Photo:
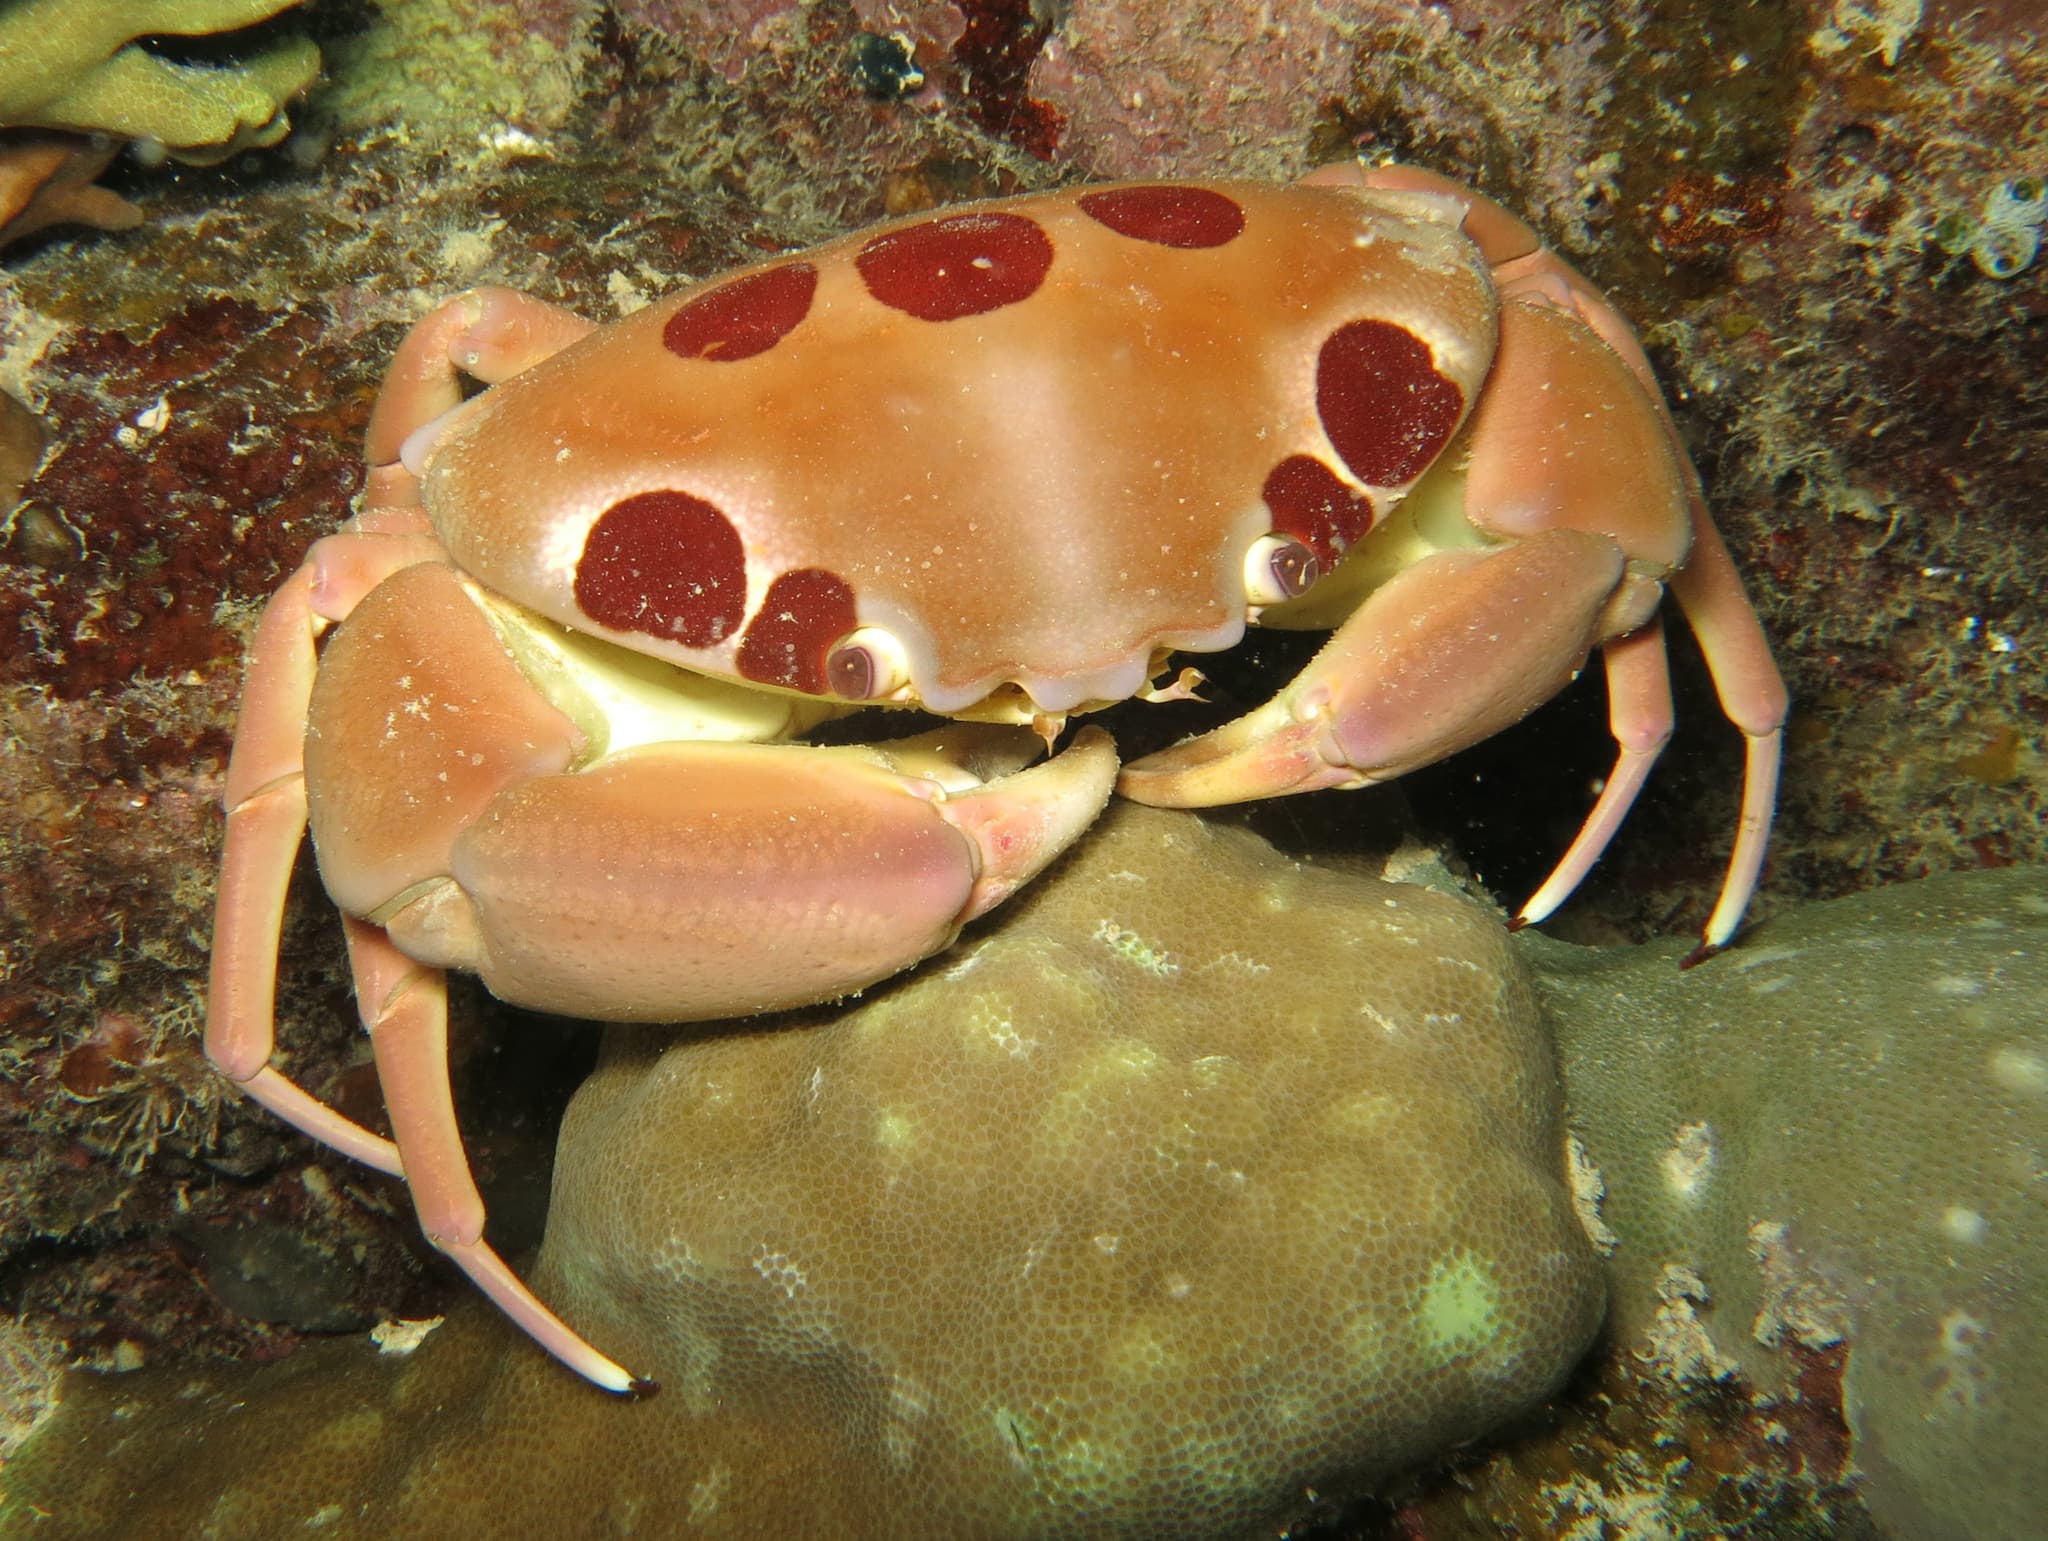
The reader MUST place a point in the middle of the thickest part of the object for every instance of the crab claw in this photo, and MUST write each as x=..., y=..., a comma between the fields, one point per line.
x=680, y=882
x=1448, y=652
x=1020, y=823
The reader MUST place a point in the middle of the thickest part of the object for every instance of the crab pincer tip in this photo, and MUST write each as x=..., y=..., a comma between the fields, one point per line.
x=638, y=1390
x=1517, y=924
x=1699, y=955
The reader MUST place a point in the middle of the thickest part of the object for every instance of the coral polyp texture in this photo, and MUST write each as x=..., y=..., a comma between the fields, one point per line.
x=1139, y=1214
x=1833, y=1145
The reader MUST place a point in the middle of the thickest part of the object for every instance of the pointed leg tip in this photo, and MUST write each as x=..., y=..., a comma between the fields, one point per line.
x=1518, y=923
x=1699, y=954
x=611, y=1377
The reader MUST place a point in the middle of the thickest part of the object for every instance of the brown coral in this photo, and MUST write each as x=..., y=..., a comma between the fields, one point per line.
x=78, y=67
x=1831, y=1141
x=1206, y=1179
x=79, y=64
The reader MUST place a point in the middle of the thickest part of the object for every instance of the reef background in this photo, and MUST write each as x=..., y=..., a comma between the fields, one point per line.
x=1788, y=200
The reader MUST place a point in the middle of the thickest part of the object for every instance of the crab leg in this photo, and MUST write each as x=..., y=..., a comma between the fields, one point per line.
x=1753, y=697
x=488, y=333
x=266, y=806
x=405, y=1008
x=685, y=882
x=1571, y=442
x=1707, y=588
x=640, y=958
x=1640, y=714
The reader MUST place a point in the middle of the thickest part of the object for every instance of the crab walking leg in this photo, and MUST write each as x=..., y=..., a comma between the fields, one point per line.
x=266, y=807
x=1707, y=587
x=1753, y=697
x=1640, y=713
x=405, y=1008
x=489, y=334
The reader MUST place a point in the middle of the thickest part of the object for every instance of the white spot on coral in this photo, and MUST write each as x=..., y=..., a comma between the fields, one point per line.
x=1588, y=1189
x=1962, y=1225
x=995, y=1024
x=464, y=252
x=1460, y=1311
x=2019, y=1070
x=1229, y=1177
x=708, y=1492
x=910, y=1403
x=1678, y=1341
x=967, y=964
x=1749, y=962
x=1689, y=1163
x=780, y=1270
x=625, y=295
x=1238, y=961
x=1876, y=27
x=1135, y=950
x=1957, y=1375
x=1794, y=1303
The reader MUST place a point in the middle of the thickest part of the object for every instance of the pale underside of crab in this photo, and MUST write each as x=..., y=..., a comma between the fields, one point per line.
x=997, y=464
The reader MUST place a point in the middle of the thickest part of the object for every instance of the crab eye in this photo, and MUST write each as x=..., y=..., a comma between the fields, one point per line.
x=1279, y=568
x=866, y=665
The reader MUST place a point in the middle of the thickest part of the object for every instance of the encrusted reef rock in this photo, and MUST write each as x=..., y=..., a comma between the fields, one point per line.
x=1203, y=1183
x=1835, y=1138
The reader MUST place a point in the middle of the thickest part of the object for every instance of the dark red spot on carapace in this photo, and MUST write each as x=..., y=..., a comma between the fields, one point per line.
x=1308, y=502
x=962, y=265
x=788, y=641
x=667, y=564
x=1383, y=403
x=747, y=316
x=1187, y=217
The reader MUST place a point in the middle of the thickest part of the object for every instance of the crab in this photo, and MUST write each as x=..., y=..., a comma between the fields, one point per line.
x=998, y=464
